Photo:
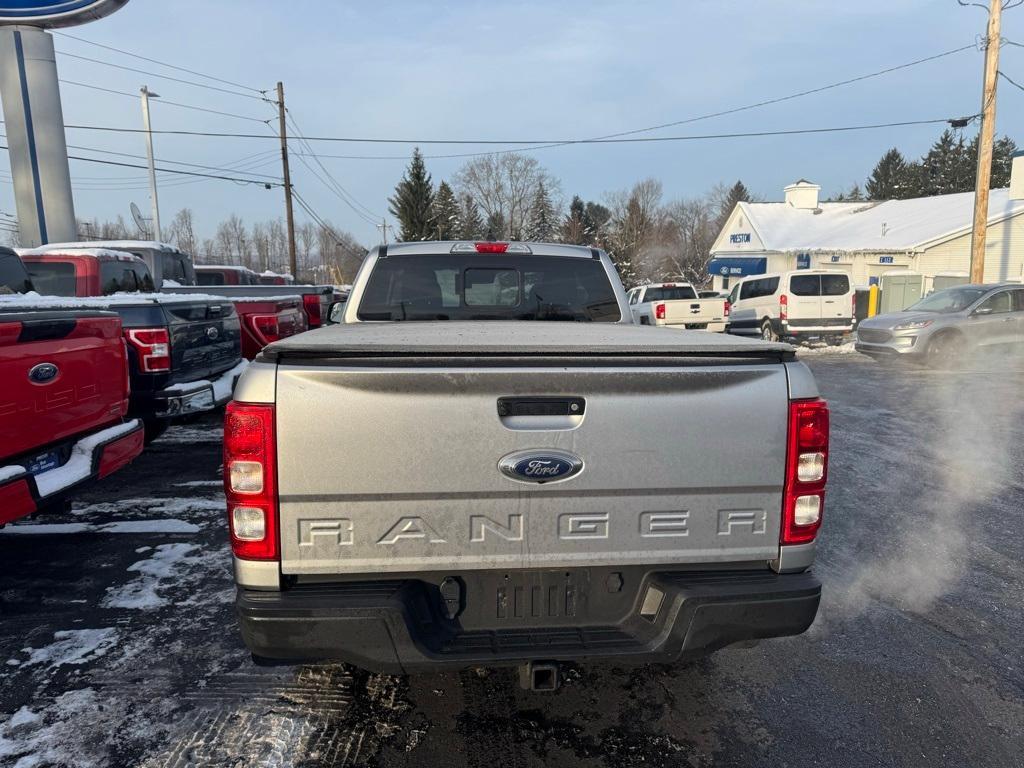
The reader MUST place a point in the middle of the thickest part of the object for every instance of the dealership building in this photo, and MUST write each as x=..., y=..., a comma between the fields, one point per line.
x=926, y=236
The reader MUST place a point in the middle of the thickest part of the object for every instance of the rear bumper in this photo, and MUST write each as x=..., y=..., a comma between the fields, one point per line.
x=188, y=398
x=92, y=457
x=713, y=326
x=396, y=626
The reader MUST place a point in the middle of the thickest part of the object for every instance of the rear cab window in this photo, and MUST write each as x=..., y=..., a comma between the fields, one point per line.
x=53, y=278
x=13, y=275
x=209, y=278
x=675, y=293
x=471, y=287
x=119, y=276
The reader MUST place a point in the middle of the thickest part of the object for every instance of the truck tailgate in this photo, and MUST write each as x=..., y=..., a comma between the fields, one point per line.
x=684, y=311
x=389, y=462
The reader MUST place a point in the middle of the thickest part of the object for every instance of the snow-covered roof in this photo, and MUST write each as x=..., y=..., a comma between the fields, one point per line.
x=233, y=267
x=98, y=253
x=893, y=225
x=126, y=244
x=33, y=300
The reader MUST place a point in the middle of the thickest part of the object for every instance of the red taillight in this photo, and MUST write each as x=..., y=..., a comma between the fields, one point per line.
x=728, y=308
x=311, y=303
x=659, y=311
x=266, y=328
x=806, y=471
x=153, y=346
x=783, y=307
x=491, y=247
x=250, y=480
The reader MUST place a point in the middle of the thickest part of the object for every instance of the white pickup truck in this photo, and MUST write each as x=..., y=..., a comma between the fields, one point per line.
x=512, y=488
x=677, y=305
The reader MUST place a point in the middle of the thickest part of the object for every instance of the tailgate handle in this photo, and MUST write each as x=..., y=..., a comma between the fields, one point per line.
x=541, y=406
x=215, y=309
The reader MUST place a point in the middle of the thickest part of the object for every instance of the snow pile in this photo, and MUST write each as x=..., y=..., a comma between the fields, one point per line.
x=11, y=470
x=72, y=646
x=159, y=571
x=824, y=349
x=51, y=736
x=79, y=465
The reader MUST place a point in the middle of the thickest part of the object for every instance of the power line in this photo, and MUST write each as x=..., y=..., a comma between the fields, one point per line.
x=161, y=63
x=167, y=170
x=162, y=101
x=560, y=142
x=1012, y=82
x=163, y=77
x=333, y=184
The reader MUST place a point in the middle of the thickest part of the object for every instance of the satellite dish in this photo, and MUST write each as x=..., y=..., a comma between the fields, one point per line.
x=140, y=220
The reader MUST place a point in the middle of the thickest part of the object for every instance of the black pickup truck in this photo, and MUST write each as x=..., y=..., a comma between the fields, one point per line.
x=184, y=352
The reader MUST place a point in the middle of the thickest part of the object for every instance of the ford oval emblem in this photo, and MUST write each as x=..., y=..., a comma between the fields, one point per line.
x=212, y=333
x=43, y=373
x=540, y=466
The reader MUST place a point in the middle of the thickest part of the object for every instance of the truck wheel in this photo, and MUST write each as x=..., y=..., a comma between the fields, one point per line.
x=154, y=428
x=945, y=350
x=767, y=332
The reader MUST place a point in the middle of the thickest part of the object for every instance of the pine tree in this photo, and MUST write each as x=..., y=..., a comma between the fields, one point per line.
x=596, y=218
x=941, y=167
x=472, y=223
x=495, y=226
x=574, y=227
x=1002, y=160
x=541, y=223
x=412, y=203
x=888, y=181
x=446, y=213
x=738, y=193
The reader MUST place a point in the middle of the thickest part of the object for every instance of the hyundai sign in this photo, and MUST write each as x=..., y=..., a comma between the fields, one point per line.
x=55, y=13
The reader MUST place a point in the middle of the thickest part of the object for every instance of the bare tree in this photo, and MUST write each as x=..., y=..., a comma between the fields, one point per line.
x=181, y=232
x=503, y=186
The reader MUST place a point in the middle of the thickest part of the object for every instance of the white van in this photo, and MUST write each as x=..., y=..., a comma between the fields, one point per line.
x=798, y=305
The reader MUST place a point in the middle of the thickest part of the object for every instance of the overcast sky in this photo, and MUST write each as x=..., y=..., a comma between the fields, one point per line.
x=521, y=70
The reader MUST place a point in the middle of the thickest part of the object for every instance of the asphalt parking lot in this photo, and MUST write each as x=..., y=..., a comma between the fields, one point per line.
x=118, y=645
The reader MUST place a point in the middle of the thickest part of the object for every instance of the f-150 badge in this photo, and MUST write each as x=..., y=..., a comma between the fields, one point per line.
x=540, y=466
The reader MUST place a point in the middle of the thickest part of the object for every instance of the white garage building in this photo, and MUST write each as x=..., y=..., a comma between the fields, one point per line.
x=930, y=236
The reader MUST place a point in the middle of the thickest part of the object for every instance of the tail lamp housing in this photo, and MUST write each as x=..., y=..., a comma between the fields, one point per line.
x=311, y=303
x=250, y=480
x=783, y=307
x=659, y=311
x=153, y=346
x=727, y=309
x=266, y=328
x=806, y=471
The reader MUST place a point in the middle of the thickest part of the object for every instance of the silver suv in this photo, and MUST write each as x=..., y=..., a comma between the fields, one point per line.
x=948, y=325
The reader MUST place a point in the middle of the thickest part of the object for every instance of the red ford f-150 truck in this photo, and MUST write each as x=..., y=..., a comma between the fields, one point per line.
x=64, y=394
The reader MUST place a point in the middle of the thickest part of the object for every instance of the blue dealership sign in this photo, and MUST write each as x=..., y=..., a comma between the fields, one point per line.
x=55, y=13
x=732, y=266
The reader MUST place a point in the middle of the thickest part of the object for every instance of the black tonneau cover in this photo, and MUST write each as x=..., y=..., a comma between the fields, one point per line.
x=516, y=339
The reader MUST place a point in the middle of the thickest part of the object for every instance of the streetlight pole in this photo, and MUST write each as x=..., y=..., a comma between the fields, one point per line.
x=146, y=95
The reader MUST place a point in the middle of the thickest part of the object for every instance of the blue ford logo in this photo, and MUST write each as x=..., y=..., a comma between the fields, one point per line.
x=43, y=373
x=540, y=466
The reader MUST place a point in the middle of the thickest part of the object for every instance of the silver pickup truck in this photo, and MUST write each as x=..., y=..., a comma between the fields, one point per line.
x=485, y=487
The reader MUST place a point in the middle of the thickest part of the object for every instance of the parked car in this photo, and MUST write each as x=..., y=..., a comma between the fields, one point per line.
x=225, y=274
x=184, y=351
x=949, y=325
x=802, y=305
x=63, y=401
x=677, y=305
x=516, y=523
x=103, y=271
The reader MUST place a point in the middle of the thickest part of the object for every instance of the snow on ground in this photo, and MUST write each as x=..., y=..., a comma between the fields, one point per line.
x=201, y=484
x=189, y=435
x=156, y=573
x=71, y=646
x=57, y=741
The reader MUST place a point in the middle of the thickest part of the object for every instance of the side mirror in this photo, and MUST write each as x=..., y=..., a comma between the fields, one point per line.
x=336, y=313
x=981, y=311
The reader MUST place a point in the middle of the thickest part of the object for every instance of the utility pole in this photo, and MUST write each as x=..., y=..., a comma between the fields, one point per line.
x=146, y=95
x=383, y=227
x=988, y=128
x=289, y=214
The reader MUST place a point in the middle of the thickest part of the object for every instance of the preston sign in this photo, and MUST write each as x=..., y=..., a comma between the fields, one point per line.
x=55, y=13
